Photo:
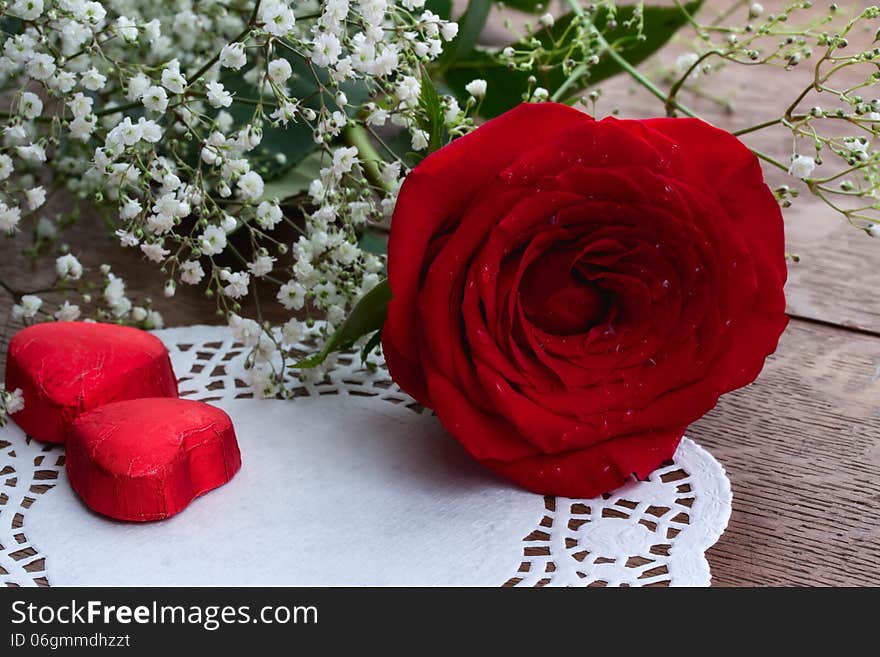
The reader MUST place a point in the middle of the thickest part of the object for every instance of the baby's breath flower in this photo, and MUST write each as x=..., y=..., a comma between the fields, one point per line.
x=35, y=197
x=13, y=401
x=93, y=80
x=292, y=295
x=419, y=141
x=685, y=61
x=268, y=215
x=236, y=283
x=28, y=307
x=233, y=56
x=155, y=99
x=262, y=265
x=279, y=70
x=68, y=267
x=137, y=86
x=27, y=10
x=30, y=106
x=126, y=238
x=41, y=67
x=82, y=127
x=212, y=240
x=218, y=96
x=449, y=31
x=277, y=17
x=262, y=380
x=172, y=79
x=191, y=272
x=250, y=185
x=246, y=331
x=153, y=320
x=343, y=160
x=67, y=312
x=476, y=88
x=547, y=20
x=154, y=251
x=292, y=331
x=802, y=166
x=6, y=166
x=285, y=112
x=326, y=49
x=9, y=217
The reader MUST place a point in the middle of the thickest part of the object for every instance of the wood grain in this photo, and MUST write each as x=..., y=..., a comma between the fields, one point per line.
x=802, y=449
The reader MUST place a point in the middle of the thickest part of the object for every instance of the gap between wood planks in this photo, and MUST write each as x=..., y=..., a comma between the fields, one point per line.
x=835, y=325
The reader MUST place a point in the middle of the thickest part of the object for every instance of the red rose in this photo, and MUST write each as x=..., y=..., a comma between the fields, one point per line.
x=570, y=294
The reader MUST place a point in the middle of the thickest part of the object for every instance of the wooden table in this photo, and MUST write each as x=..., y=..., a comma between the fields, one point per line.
x=801, y=445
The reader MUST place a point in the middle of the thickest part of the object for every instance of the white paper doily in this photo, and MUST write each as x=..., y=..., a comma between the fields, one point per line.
x=353, y=483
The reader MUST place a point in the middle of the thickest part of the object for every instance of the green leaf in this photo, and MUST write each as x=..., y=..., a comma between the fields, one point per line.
x=470, y=26
x=431, y=118
x=374, y=241
x=11, y=25
x=443, y=8
x=371, y=344
x=367, y=316
x=296, y=180
x=506, y=87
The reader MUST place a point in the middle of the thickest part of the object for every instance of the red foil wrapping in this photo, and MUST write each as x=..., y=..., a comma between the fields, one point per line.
x=66, y=368
x=147, y=459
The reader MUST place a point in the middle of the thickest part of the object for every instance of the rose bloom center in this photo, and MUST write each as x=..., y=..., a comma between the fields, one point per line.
x=557, y=297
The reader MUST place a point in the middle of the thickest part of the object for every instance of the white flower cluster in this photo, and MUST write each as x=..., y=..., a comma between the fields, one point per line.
x=158, y=110
x=10, y=402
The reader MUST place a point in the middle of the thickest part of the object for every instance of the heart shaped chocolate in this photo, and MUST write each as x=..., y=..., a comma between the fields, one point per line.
x=147, y=459
x=65, y=368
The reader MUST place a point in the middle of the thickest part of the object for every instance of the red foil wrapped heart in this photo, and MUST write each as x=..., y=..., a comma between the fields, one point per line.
x=66, y=368
x=147, y=459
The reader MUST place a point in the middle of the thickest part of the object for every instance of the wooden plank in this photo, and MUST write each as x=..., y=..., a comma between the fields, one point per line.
x=802, y=449
x=837, y=279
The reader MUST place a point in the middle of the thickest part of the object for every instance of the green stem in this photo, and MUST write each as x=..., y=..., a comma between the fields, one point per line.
x=769, y=160
x=629, y=68
x=356, y=136
x=642, y=80
x=575, y=75
x=673, y=92
x=755, y=128
x=655, y=91
x=254, y=102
